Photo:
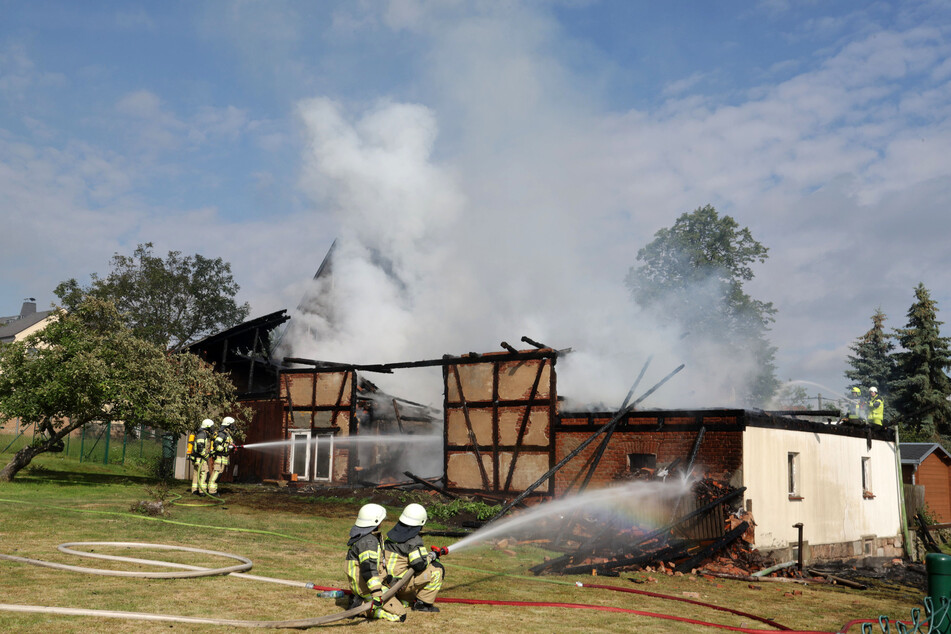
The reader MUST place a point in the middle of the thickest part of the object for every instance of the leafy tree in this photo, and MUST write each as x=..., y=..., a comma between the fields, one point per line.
x=872, y=363
x=694, y=272
x=793, y=397
x=921, y=387
x=172, y=302
x=87, y=366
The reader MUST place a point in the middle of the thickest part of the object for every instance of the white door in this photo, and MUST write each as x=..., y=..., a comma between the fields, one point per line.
x=300, y=454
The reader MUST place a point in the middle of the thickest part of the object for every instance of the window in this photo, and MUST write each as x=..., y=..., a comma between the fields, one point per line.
x=792, y=471
x=300, y=454
x=637, y=461
x=867, y=479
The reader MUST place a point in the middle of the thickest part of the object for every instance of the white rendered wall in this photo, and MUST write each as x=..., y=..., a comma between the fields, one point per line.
x=832, y=508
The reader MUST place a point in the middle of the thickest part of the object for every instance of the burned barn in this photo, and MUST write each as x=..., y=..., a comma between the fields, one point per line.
x=504, y=435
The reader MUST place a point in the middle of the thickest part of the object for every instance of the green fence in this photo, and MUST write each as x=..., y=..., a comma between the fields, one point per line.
x=104, y=443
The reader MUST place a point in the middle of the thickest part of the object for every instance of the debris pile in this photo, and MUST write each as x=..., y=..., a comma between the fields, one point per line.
x=710, y=535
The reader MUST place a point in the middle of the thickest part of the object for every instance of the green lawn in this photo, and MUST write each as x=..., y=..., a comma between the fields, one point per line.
x=304, y=538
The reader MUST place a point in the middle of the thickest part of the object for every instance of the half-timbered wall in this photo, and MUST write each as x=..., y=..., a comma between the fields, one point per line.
x=498, y=431
x=318, y=404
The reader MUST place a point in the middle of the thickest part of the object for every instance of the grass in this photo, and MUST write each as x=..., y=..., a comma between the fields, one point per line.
x=293, y=537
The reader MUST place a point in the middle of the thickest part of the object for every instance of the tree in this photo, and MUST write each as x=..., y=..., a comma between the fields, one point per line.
x=172, y=302
x=694, y=272
x=873, y=363
x=921, y=387
x=88, y=366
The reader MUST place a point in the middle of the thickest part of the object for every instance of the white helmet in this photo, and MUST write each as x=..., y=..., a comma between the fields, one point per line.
x=227, y=421
x=370, y=515
x=205, y=424
x=873, y=390
x=414, y=515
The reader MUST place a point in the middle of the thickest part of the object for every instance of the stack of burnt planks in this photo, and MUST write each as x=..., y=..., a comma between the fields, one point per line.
x=607, y=550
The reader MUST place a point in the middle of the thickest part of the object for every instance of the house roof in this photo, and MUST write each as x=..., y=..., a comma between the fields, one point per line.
x=9, y=331
x=914, y=453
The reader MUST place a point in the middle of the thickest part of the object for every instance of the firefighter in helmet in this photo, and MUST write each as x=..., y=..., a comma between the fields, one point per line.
x=856, y=414
x=200, y=451
x=365, y=566
x=406, y=554
x=221, y=449
x=876, y=407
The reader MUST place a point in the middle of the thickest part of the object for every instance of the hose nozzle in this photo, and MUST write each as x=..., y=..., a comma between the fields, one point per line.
x=440, y=550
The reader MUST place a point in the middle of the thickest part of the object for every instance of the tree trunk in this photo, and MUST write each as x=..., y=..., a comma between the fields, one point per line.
x=23, y=457
x=20, y=460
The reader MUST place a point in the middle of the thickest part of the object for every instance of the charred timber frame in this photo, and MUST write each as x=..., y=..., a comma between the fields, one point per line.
x=493, y=402
x=472, y=437
x=337, y=408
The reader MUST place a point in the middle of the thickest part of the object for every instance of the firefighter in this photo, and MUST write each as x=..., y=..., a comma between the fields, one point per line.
x=201, y=450
x=221, y=449
x=856, y=414
x=876, y=407
x=405, y=554
x=365, y=566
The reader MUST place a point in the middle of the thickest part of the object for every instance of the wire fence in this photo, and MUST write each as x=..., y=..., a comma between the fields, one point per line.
x=103, y=443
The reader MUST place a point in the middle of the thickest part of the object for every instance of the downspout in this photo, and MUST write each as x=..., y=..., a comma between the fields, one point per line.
x=909, y=547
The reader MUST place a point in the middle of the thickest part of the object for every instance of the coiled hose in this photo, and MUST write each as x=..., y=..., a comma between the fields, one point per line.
x=191, y=571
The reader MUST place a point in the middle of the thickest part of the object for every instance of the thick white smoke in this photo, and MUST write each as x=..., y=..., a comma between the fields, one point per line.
x=432, y=260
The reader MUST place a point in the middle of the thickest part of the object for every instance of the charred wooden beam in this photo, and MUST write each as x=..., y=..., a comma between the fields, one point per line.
x=430, y=485
x=523, y=425
x=561, y=463
x=596, y=458
x=545, y=353
x=588, y=548
x=472, y=437
x=675, y=550
x=399, y=419
x=715, y=547
x=534, y=343
x=509, y=347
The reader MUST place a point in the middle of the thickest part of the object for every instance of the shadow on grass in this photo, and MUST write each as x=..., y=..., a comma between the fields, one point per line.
x=82, y=479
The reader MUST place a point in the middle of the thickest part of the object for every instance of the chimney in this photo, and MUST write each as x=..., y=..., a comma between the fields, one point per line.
x=29, y=307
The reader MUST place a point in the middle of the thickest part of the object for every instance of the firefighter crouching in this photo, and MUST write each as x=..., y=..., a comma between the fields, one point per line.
x=405, y=554
x=199, y=449
x=365, y=566
x=221, y=449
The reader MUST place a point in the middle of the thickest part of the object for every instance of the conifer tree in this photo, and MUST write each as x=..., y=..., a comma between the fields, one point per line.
x=873, y=363
x=921, y=387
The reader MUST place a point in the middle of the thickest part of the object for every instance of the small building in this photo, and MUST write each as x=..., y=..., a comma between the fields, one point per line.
x=30, y=320
x=928, y=465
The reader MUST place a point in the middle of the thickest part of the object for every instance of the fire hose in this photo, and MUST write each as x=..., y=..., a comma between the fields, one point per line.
x=192, y=571
x=197, y=571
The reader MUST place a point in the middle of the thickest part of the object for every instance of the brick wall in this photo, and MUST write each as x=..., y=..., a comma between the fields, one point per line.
x=719, y=456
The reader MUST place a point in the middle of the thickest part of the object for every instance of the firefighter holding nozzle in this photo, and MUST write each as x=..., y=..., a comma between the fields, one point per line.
x=221, y=449
x=199, y=450
x=405, y=554
x=858, y=409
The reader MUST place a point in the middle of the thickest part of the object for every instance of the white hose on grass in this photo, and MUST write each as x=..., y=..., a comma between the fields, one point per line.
x=193, y=571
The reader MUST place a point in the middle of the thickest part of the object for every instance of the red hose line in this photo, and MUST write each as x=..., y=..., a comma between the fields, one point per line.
x=712, y=606
x=607, y=608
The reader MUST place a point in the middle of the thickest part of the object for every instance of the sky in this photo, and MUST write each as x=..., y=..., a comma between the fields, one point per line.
x=505, y=161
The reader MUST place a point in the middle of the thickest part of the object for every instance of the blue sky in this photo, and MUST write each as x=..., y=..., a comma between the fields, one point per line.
x=507, y=158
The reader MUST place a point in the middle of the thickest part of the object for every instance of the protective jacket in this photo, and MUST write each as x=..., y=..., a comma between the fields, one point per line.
x=365, y=570
x=201, y=449
x=405, y=553
x=223, y=444
x=202, y=446
x=876, y=411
